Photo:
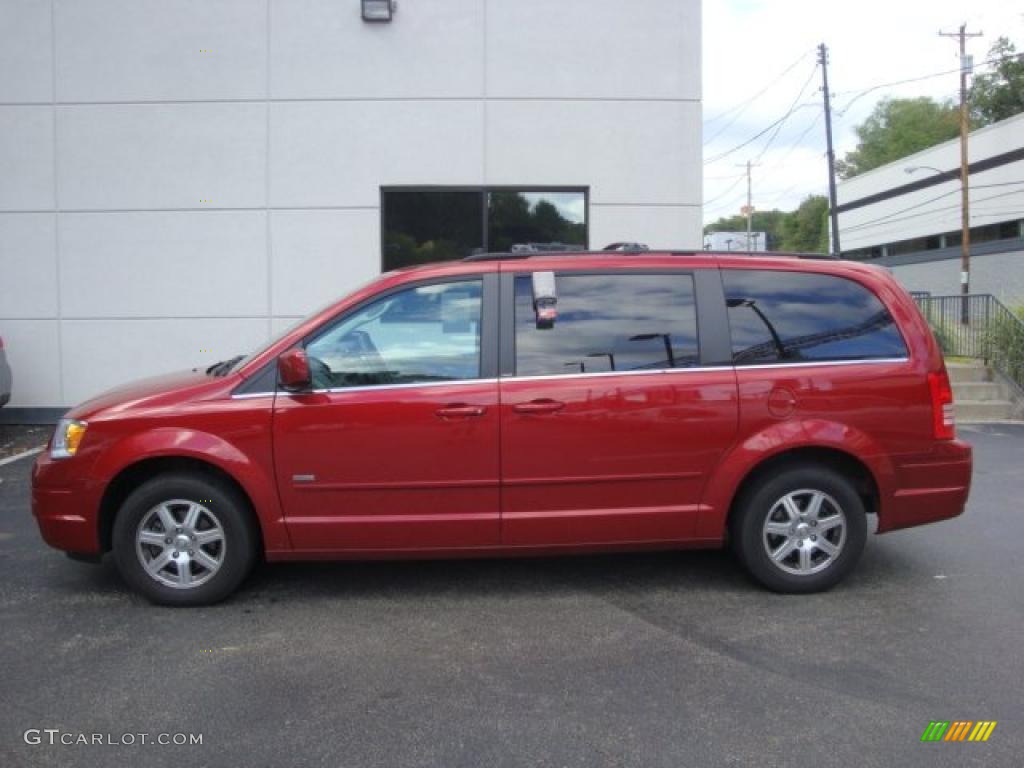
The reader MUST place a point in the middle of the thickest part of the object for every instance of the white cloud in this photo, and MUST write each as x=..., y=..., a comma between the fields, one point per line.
x=749, y=42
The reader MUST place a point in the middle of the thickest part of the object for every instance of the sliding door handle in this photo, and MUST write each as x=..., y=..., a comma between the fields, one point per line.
x=539, y=406
x=461, y=411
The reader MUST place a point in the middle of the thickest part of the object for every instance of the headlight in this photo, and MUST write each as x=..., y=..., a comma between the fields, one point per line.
x=66, y=438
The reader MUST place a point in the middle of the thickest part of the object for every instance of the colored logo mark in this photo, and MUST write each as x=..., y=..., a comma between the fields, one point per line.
x=958, y=730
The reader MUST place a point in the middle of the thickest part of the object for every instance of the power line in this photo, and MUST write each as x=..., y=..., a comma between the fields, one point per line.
x=726, y=177
x=840, y=112
x=889, y=219
x=890, y=216
x=792, y=109
x=769, y=166
x=939, y=197
x=757, y=135
x=727, y=191
x=777, y=126
x=735, y=199
x=742, y=106
x=785, y=156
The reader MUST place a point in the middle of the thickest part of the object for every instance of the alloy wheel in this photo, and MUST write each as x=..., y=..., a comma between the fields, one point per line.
x=804, y=532
x=180, y=544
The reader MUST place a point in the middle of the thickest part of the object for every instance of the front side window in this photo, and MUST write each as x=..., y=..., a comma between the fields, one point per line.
x=615, y=322
x=793, y=317
x=421, y=334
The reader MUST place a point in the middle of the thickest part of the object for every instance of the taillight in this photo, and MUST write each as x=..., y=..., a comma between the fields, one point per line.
x=943, y=416
x=1, y=342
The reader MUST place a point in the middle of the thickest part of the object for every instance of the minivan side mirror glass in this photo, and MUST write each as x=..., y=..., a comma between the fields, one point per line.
x=293, y=370
x=545, y=299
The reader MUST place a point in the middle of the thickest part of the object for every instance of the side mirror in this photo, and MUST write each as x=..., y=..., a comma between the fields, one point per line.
x=293, y=370
x=545, y=299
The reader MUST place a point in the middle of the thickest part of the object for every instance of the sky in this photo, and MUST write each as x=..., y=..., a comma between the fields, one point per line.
x=751, y=46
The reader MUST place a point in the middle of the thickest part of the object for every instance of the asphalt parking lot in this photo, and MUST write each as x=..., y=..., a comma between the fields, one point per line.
x=641, y=660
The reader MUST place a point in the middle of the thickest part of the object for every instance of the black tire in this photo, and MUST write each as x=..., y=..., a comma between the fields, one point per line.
x=223, y=506
x=751, y=540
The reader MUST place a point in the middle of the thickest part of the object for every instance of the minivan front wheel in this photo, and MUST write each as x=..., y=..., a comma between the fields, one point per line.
x=183, y=540
x=800, y=531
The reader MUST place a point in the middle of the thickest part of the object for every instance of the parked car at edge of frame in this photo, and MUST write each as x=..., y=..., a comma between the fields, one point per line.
x=530, y=404
x=6, y=378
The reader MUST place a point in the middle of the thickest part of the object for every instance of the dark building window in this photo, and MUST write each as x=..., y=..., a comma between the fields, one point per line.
x=421, y=227
x=613, y=322
x=518, y=220
x=427, y=225
x=1005, y=230
x=792, y=317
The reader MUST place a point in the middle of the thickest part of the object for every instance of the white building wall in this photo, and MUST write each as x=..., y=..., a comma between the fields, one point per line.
x=1000, y=274
x=996, y=194
x=181, y=178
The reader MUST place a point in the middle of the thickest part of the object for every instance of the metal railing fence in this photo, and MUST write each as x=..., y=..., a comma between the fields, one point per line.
x=979, y=326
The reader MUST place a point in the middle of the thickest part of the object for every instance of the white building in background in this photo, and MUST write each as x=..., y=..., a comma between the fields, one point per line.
x=179, y=180
x=736, y=241
x=907, y=214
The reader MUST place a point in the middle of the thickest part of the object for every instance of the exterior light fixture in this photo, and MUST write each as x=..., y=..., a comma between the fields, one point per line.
x=378, y=10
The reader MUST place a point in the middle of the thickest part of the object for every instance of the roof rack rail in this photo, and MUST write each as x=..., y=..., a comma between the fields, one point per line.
x=518, y=255
x=499, y=256
x=782, y=254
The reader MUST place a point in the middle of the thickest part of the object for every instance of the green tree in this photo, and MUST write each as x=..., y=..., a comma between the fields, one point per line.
x=825, y=241
x=897, y=128
x=802, y=228
x=1000, y=93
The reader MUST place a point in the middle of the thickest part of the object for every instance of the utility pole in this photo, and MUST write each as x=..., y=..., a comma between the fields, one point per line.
x=832, y=204
x=966, y=65
x=748, y=209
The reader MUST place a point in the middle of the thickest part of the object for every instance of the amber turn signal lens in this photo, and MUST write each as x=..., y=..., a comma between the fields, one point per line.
x=66, y=438
x=75, y=433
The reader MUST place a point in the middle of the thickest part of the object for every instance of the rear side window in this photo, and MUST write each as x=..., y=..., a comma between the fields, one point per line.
x=615, y=322
x=792, y=317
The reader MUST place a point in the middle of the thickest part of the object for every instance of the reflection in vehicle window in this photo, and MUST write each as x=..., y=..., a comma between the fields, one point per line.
x=422, y=334
x=793, y=317
x=605, y=323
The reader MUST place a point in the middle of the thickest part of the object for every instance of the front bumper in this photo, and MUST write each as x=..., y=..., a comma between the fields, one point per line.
x=931, y=488
x=65, y=507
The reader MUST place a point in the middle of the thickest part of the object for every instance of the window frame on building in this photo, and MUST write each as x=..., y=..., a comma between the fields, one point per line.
x=483, y=191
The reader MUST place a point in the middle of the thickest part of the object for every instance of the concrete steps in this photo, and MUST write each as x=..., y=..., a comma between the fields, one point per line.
x=977, y=397
x=966, y=373
x=985, y=391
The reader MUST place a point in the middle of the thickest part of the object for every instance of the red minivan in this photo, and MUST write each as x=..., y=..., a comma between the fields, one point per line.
x=530, y=404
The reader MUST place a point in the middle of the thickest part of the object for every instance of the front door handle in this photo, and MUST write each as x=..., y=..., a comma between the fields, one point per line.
x=461, y=411
x=539, y=406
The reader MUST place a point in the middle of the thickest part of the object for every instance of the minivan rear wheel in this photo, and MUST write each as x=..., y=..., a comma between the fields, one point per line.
x=802, y=530
x=183, y=539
